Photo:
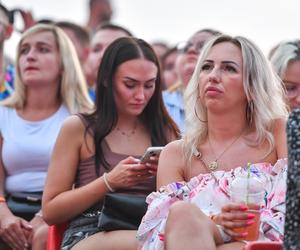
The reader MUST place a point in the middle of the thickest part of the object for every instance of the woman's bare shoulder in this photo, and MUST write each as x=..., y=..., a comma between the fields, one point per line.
x=173, y=153
x=280, y=138
x=280, y=125
x=171, y=164
x=174, y=148
x=73, y=125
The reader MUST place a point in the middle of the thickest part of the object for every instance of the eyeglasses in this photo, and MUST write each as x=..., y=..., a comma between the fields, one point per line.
x=292, y=89
x=183, y=47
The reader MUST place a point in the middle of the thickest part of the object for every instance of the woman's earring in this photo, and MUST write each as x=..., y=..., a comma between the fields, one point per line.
x=195, y=110
x=250, y=112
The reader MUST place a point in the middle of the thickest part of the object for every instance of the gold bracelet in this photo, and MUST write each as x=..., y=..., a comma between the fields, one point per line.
x=107, y=184
x=2, y=199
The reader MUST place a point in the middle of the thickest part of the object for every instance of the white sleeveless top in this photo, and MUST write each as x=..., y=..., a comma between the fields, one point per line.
x=27, y=148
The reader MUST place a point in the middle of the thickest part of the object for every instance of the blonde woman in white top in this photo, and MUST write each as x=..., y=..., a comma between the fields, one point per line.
x=49, y=86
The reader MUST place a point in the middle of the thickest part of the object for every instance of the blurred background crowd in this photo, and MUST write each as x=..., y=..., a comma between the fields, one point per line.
x=172, y=21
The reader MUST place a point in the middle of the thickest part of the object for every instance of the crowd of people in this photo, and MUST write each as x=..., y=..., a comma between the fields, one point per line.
x=79, y=106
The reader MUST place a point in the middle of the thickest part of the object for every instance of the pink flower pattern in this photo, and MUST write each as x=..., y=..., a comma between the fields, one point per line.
x=210, y=196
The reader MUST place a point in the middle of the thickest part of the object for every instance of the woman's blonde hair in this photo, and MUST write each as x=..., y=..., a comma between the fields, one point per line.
x=73, y=89
x=264, y=91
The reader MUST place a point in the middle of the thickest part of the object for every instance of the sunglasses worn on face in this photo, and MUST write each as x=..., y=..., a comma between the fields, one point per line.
x=292, y=89
x=183, y=47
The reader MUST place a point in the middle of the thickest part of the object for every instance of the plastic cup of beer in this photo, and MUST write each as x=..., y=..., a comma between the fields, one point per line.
x=247, y=189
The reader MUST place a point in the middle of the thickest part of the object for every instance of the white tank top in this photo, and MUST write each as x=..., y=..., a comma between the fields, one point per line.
x=27, y=148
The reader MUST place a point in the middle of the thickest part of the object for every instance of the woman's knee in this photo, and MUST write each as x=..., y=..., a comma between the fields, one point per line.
x=183, y=213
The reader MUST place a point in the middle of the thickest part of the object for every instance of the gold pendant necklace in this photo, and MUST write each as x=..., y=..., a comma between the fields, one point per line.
x=198, y=155
x=213, y=165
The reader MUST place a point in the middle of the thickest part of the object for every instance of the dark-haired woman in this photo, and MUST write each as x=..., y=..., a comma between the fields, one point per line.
x=99, y=152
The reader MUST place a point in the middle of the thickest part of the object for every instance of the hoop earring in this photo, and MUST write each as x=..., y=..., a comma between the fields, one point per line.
x=195, y=110
x=250, y=112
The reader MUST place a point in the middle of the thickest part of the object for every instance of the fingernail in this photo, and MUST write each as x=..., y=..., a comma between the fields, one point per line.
x=251, y=216
x=250, y=222
x=243, y=207
x=148, y=164
x=244, y=234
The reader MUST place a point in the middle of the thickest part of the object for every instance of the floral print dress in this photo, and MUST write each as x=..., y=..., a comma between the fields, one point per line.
x=210, y=192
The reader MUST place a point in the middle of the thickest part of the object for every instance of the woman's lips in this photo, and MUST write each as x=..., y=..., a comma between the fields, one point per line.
x=212, y=91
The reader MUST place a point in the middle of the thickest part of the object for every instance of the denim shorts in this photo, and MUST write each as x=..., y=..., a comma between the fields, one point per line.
x=80, y=228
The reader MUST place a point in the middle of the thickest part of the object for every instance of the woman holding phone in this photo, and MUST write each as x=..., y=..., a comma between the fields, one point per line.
x=100, y=152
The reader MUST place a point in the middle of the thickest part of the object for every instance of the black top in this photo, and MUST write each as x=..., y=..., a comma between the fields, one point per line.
x=292, y=221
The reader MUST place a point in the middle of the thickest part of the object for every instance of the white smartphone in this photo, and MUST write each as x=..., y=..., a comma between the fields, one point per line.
x=151, y=151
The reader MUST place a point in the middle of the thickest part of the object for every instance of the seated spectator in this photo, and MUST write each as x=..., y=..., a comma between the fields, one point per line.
x=49, y=87
x=169, y=72
x=229, y=124
x=185, y=64
x=160, y=48
x=103, y=37
x=7, y=71
x=285, y=59
x=80, y=38
x=100, y=152
x=292, y=219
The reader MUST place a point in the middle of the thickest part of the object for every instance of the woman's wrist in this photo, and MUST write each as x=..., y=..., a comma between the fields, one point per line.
x=107, y=183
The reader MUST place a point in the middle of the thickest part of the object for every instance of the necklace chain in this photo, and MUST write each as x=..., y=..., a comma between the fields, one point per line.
x=214, y=164
x=198, y=155
x=127, y=134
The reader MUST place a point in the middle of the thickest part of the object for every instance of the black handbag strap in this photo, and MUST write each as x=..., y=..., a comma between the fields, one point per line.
x=27, y=197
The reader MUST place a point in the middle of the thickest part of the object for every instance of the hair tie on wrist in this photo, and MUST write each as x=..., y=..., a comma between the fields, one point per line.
x=107, y=184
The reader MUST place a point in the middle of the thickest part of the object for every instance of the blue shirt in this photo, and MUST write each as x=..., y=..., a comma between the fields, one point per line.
x=92, y=94
x=174, y=104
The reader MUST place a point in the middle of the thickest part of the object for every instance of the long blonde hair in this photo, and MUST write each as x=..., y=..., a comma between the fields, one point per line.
x=262, y=87
x=73, y=89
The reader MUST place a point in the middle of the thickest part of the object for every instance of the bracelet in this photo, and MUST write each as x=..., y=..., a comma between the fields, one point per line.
x=107, y=184
x=2, y=199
